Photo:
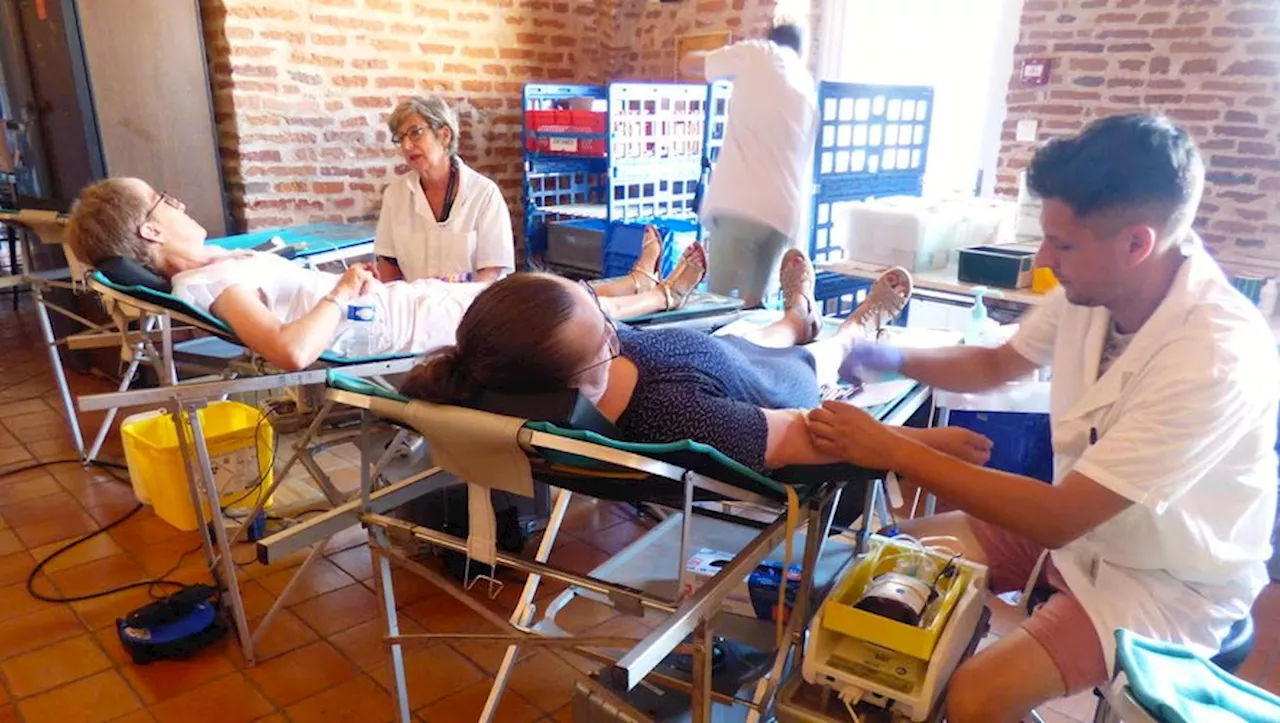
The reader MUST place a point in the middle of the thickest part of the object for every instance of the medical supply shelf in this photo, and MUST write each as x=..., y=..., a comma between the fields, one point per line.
x=873, y=141
x=616, y=153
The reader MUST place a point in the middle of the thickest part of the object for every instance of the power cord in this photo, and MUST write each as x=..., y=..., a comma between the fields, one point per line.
x=151, y=584
x=161, y=580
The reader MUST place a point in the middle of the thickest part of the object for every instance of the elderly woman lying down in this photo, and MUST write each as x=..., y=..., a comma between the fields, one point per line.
x=746, y=396
x=289, y=314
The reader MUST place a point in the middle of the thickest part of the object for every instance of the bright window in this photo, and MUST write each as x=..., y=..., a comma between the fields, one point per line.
x=963, y=50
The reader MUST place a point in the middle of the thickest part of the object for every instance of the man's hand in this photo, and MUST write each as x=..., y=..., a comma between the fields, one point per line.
x=846, y=432
x=869, y=356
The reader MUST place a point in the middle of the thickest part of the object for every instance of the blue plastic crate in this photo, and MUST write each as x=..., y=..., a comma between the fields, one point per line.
x=1021, y=443
x=838, y=295
x=663, y=190
x=872, y=129
x=567, y=182
x=625, y=240
x=873, y=141
x=855, y=187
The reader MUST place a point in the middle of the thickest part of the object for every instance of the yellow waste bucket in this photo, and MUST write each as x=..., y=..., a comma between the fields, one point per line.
x=241, y=445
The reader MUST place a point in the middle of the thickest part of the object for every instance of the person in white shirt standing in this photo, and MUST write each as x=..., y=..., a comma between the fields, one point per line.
x=440, y=219
x=1164, y=400
x=756, y=198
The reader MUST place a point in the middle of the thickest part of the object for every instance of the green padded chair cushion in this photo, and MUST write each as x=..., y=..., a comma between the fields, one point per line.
x=569, y=415
x=356, y=385
x=1175, y=685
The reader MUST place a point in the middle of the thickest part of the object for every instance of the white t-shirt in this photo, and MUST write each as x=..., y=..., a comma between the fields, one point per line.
x=477, y=235
x=765, y=166
x=416, y=317
x=1185, y=427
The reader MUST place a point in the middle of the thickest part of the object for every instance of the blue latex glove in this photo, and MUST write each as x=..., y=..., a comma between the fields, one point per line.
x=867, y=356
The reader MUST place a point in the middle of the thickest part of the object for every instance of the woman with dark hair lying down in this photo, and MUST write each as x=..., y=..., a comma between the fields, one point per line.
x=747, y=396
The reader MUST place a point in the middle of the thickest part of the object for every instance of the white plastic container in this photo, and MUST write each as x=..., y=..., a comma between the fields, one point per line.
x=919, y=234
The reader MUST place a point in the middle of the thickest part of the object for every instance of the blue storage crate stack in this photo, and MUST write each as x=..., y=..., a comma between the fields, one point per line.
x=643, y=169
x=559, y=182
x=873, y=140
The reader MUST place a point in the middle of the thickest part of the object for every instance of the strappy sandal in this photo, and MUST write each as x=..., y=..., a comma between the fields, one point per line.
x=884, y=302
x=641, y=278
x=797, y=278
x=676, y=296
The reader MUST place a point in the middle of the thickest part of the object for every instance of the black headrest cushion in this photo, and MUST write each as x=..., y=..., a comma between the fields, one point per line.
x=564, y=409
x=128, y=272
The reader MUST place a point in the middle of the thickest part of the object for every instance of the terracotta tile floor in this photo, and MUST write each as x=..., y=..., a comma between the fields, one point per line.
x=322, y=660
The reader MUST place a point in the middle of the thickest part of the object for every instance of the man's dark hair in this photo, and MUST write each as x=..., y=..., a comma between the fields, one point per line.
x=789, y=35
x=1122, y=164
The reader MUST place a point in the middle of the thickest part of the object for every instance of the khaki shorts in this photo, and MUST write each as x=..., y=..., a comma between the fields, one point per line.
x=1060, y=625
x=743, y=258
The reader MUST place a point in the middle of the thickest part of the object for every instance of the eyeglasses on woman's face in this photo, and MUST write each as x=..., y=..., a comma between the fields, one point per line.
x=611, y=344
x=168, y=200
x=413, y=135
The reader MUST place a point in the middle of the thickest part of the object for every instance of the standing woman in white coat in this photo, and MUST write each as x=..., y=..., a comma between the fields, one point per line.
x=440, y=219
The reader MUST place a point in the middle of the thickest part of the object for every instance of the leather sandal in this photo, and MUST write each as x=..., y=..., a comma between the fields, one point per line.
x=797, y=278
x=677, y=297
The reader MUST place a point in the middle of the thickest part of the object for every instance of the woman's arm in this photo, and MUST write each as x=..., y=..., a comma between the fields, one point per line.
x=791, y=442
x=388, y=269
x=494, y=254
x=488, y=274
x=299, y=343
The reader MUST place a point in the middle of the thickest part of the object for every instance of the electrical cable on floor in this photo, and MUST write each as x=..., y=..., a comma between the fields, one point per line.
x=31, y=577
x=160, y=580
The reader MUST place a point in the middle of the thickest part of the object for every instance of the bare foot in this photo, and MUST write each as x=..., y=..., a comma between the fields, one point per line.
x=685, y=278
x=885, y=300
x=797, y=279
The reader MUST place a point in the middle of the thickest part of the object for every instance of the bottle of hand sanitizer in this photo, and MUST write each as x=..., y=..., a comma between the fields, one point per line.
x=983, y=330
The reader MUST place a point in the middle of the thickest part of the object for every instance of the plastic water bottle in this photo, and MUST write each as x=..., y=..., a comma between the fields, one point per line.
x=362, y=337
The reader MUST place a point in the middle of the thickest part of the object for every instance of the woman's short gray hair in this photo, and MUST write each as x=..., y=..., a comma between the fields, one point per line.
x=433, y=110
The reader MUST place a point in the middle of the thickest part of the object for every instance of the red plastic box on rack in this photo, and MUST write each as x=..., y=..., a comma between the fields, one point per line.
x=555, y=131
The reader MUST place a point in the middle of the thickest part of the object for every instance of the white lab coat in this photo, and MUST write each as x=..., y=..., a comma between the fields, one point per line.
x=1185, y=428
x=477, y=235
x=765, y=166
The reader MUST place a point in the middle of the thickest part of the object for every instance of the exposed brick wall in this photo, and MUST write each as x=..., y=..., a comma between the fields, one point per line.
x=645, y=40
x=1211, y=65
x=302, y=88
x=646, y=35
